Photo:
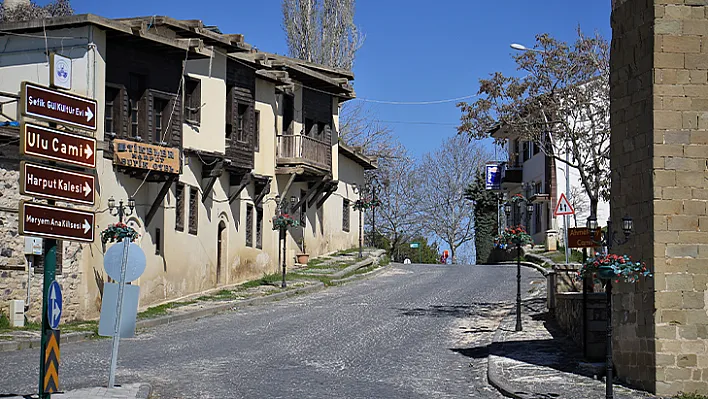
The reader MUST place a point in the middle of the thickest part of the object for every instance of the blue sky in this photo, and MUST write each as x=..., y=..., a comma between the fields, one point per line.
x=414, y=51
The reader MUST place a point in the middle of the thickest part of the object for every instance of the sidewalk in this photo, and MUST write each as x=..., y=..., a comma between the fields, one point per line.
x=542, y=362
x=130, y=391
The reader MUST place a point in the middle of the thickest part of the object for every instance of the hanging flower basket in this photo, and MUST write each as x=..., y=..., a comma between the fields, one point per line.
x=363, y=204
x=518, y=198
x=117, y=232
x=515, y=235
x=284, y=221
x=611, y=266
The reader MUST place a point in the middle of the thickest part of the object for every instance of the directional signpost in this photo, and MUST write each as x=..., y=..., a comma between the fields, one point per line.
x=51, y=183
x=57, y=184
x=68, y=109
x=55, y=145
x=56, y=223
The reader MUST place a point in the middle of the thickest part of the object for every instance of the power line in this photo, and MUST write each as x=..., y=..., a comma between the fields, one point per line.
x=420, y=123
x=449, y=100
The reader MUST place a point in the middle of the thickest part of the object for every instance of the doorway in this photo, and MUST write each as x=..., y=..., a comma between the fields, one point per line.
x=220, y=249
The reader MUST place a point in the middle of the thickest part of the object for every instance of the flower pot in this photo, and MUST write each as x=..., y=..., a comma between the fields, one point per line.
x=605, y=272
x=303, y=258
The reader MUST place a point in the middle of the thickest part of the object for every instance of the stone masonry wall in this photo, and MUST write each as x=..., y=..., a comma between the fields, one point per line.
x=660, y=144
x=569, y=314
x=13, y=266
x=631, y=164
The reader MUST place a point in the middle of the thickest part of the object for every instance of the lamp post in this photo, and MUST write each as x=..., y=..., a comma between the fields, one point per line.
x=608, y=240
x=120, y=210
x=284, y=236
x=507, y=210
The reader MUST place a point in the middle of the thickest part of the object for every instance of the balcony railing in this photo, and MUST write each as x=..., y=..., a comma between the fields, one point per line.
x=299, y=149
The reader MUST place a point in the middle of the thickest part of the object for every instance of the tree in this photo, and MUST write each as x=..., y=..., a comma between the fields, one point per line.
x=322, y=31
x=442, y=178
x=579, y=201
x=485, y=217
x=397, y=217
x=562, y=103
x=426, y=253
x=25, y=10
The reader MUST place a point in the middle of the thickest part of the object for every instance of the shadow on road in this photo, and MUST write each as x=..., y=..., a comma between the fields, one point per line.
x=477, y=309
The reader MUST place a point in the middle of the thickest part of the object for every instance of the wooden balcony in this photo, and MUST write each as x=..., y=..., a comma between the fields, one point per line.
x=299, y=150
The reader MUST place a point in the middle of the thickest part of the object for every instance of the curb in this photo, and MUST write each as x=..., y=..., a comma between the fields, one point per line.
x=199, y=313
x=8, y=346
x=144, y=391
x=530, y=265
x=363, y=275
x=494, y=375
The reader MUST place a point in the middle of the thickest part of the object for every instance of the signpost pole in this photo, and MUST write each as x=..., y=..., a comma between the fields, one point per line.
x=50, y=268
x=119, y=308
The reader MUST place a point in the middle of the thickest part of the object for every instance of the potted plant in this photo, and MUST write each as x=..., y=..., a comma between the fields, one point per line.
x=616, y=267
x=303, y=257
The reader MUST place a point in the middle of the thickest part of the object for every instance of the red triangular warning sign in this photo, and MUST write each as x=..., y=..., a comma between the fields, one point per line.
x=563, y=207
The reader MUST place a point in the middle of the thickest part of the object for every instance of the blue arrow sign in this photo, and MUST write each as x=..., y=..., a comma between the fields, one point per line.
x=54, y=306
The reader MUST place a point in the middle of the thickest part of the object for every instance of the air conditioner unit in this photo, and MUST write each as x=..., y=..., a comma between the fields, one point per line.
x=17, y=313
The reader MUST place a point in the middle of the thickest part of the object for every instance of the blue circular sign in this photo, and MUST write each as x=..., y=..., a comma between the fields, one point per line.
x=54, y=305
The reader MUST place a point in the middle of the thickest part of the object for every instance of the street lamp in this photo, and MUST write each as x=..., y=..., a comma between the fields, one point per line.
x=608, y=239
x=521, y=47
x=120, y=210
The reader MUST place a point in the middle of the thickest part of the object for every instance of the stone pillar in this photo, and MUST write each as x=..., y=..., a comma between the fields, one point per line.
x=659, y=146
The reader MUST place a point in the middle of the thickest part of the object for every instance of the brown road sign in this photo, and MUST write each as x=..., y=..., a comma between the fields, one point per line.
x=49, y=104
x=58, y=184
x=51, y=363
x=579, y=237
x=58, y=223
x=55, y=145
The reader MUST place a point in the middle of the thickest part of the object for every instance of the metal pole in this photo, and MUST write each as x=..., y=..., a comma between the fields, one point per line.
x=50, y=264
x=361, y=230
x=373, y=220
x=518, y=286
x=567, y=194
x=609, y=394
x=283, y=233
x=119, y=309
x=585, y=308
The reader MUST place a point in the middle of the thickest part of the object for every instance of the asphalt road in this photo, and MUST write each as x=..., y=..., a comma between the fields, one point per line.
x=413, y=331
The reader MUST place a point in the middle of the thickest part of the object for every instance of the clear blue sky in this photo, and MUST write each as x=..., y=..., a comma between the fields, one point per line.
x=414, y=51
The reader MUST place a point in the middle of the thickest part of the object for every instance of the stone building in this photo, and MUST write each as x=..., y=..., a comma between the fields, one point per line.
x=248, y=131
x=659, y=147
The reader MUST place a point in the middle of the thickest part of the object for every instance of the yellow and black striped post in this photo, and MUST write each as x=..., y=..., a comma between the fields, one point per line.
x=51, y=363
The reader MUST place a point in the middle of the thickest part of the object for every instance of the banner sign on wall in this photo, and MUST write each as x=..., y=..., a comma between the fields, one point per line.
x=493, y=177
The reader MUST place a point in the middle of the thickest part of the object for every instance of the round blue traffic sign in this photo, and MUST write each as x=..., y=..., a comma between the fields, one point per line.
x=54, y=305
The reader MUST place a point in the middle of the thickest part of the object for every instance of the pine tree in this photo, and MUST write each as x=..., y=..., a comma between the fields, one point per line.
x=486, y=217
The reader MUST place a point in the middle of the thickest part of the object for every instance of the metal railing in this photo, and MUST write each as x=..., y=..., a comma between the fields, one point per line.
x=303, y=149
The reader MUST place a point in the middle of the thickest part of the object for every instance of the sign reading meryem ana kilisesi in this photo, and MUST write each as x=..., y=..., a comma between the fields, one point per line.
x=146, y=156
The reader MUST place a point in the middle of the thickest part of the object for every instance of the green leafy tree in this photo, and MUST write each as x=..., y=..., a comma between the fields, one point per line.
x=428, y=253
x=485, y=215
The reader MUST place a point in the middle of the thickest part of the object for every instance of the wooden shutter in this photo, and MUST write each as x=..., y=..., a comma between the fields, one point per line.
x=175, y=132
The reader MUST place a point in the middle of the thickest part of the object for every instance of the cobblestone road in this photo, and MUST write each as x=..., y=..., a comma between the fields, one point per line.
x=411, y=332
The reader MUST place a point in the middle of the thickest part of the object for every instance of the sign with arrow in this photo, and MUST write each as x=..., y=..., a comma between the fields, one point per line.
x=54, y=306
x=56, y=106
x=563, y=207
x=56, y=184
x=58, y=223
x=55, y=145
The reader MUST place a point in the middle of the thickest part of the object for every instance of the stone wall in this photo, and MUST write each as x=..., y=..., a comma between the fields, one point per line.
x=569, y=315
x=13, y=266
x=659, y=146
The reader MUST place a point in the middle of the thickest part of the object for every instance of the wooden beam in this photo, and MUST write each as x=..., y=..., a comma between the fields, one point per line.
x=287, y=186
x=310, y=193
x=263, y=193
x=207, y=189
x=329, y=192
x=158, y=200
x=244, y=182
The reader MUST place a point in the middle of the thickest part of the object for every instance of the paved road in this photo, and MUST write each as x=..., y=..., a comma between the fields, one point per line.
x=413, y=331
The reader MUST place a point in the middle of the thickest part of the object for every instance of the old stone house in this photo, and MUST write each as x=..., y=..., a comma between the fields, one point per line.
x=249, y=130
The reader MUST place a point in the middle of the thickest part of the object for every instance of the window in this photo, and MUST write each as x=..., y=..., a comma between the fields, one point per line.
x=110, y=111
x=259, y=228
x=136, y=89
x=538, y=188
x=345, y=215
x=526, y=151
x=242, y=123
x=321, y=126
x=193, y=100
x=229, y=111
x=537, y=215
x=309, y=127
x=179, y=207
x=249, y=225
x=193, y=210
x=257, y=131
x=303, y=210
x=536, y=148
x=158, y=242
x=288, y=113
x=159, y=113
